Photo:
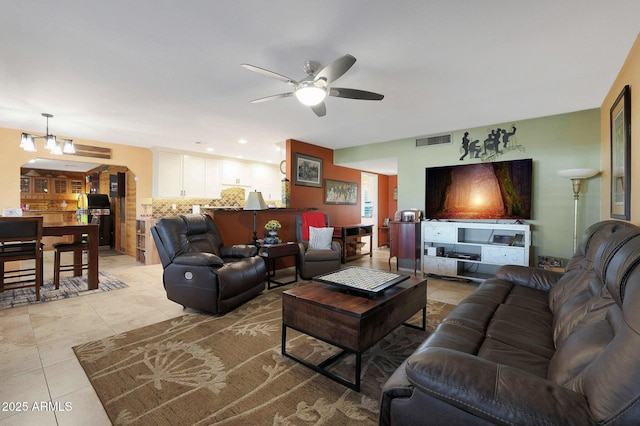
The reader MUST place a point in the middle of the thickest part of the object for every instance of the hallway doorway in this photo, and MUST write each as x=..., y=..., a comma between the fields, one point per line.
x=369, y=204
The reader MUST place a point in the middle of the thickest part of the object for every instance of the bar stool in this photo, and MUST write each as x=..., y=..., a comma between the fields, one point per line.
x=60, y=248
x=76, y=248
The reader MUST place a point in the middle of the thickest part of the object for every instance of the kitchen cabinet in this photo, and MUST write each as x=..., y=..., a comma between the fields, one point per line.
x=179, y=175
x=25, y=185
x=76, y=186
x=60, y=189
x=213, y=178
x=266, y=179
x=236, y=173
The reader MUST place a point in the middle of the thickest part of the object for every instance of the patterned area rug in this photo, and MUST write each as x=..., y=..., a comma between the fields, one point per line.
x=69, y=287
x=202, y=370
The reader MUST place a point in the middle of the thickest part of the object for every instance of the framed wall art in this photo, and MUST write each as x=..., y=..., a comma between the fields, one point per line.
x=307, y=170
x=339, y=192
x=620, y=119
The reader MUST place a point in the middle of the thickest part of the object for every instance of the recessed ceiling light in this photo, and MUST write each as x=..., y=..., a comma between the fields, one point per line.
x=239, y=156
x=210, y=149
x=242, y=141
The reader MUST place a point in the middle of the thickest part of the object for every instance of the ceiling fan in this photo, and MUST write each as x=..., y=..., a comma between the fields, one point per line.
x=314, y=88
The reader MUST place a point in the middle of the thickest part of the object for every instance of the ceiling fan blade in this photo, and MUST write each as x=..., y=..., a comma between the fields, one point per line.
x=272, y=97
x=320, y=109
x=270, y=74
x=340, y=92
x=335, y=69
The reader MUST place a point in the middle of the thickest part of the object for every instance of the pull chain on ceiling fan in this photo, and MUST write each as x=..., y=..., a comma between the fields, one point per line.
x=314, y=88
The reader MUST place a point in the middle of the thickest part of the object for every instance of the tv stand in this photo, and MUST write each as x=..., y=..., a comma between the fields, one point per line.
x=482, y=244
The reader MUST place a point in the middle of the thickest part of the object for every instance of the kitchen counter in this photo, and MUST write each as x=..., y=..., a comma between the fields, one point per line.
x=39, y=212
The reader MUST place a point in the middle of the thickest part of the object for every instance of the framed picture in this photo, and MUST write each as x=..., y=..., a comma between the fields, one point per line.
x=307, y=170
x=339, y=192
x=620, y=117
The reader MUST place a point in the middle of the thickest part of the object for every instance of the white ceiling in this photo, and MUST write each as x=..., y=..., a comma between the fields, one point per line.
x=167, y=72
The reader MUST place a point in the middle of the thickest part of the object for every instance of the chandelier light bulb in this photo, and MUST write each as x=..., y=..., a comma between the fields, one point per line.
x=68, y=147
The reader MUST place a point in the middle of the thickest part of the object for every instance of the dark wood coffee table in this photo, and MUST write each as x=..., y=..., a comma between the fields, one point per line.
x=349, y=321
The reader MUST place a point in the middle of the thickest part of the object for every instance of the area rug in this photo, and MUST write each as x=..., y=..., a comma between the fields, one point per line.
x=69, y=287
x=202, y=370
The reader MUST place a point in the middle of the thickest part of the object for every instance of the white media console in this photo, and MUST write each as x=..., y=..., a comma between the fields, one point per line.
x=472, y=250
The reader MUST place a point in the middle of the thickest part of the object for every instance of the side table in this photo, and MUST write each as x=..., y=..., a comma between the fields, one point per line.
x=270, y=252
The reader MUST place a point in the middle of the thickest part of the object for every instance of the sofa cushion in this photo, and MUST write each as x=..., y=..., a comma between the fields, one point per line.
x=505, y=354
x=524, y=329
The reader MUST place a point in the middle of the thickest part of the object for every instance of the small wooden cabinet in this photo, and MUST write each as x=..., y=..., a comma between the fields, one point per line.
x=350, y=238
x=146, y=252
x=404, y=242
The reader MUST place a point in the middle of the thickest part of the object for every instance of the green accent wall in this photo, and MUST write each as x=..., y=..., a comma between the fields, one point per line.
x=564, y=141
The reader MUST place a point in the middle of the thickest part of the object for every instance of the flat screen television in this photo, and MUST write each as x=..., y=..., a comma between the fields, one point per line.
x=497, y=190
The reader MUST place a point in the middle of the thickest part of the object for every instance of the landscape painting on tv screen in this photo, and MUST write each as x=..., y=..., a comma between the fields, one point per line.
x=498, y=190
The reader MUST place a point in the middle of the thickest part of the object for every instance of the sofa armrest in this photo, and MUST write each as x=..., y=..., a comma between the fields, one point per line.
x=239, y=251
x=540, y=279
x=492, y=391
x=198, y=259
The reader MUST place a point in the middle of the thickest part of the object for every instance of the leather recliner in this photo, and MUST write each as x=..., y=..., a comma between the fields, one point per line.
x=200, y=272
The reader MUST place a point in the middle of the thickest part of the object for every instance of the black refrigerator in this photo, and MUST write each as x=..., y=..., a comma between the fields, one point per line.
x=99, y=205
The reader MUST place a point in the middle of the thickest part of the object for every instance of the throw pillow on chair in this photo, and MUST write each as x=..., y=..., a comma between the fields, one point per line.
x=320, y=238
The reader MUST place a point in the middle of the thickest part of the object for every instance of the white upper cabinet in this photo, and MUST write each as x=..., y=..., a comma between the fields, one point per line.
x=236, y=173
x=266, y=179
x=179, y=175
x=192, y=176
x=168, y=174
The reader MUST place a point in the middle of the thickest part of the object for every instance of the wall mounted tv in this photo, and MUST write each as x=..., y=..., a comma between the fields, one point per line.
x=497, y=190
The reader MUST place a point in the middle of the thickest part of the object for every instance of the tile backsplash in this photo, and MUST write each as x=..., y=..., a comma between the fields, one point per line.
x=231, y=197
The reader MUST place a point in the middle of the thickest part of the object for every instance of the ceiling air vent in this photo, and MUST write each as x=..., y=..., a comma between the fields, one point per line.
x=433, y=140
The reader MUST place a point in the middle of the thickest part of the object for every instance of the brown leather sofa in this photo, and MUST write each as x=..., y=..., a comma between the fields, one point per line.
x=534, y=347
x=200, y=272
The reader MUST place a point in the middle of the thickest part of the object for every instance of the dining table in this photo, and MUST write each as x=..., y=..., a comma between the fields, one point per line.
x=78, y=230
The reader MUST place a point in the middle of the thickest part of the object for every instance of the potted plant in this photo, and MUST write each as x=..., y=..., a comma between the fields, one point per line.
x=272, y=228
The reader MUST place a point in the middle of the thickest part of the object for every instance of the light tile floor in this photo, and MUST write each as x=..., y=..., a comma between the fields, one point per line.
x=42, y=382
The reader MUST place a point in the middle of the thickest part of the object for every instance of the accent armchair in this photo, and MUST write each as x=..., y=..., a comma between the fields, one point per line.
x=200, y=272
x=311, y=260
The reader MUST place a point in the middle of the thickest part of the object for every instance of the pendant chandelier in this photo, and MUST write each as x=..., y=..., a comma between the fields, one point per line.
x=27, y=141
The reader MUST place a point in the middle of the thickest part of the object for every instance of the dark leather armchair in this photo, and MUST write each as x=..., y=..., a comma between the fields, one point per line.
x=200, y=272
x=315, y=262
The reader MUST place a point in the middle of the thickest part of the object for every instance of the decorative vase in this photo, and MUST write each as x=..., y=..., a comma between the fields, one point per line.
x=286, y=192
x=272, y=237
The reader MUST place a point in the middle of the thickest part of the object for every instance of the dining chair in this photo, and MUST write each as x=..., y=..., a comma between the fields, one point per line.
x=21, y=240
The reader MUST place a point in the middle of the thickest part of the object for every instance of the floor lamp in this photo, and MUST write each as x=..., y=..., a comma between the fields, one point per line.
x=255, y=202
x=577, y=176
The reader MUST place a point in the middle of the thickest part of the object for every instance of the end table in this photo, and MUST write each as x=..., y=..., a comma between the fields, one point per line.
x=270, y=252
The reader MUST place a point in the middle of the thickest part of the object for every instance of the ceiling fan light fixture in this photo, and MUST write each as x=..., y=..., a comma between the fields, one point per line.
x=311, y=95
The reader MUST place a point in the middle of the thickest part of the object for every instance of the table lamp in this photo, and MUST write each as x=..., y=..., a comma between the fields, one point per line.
x=255, y=202
x=577, y=176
